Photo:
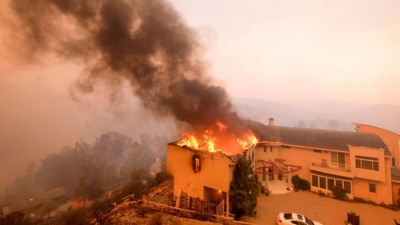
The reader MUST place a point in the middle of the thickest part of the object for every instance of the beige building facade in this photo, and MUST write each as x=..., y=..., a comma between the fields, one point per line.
x=392, y=141
x=358, y=162
x=201, y=178
x=363, y=163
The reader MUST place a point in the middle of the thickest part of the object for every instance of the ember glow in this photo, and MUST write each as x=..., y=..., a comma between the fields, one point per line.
x=248, y=140
x=216, y=139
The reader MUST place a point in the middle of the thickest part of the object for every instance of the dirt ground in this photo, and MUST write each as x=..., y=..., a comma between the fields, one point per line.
x=325, y=210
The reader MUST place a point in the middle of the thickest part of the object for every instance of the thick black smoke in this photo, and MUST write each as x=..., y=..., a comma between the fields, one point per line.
x=144, y=42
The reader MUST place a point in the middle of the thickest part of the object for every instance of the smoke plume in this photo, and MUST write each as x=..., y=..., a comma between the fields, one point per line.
x=144, y=42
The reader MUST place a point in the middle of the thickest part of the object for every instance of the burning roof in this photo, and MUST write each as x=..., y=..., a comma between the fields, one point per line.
x=219, y=139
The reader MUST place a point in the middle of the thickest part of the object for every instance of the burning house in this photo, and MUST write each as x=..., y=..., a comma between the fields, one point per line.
x=201, y=178
x=202, y=167
x=362, y=163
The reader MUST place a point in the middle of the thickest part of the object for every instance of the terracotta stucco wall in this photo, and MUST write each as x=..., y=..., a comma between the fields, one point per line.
x=383, y=191
x=360, y=184
x=380, y=175
x=391, y=139
x=299, y=157
x=395, y=193
x=215, y=171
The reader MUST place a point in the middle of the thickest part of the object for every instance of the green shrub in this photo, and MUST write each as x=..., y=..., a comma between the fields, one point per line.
x=300, y=183
x=393, y=207
x=338, y=192
x=360, y=200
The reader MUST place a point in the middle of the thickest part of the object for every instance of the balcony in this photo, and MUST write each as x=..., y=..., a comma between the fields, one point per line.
x=324, y=166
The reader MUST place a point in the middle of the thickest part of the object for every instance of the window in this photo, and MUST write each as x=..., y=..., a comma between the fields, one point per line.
x=327, y=183
x=196, y=164
x=331, y=183
x=288, y=216
x=372, y=188
x=314, y=181
x=318, y=151
x=393, y=162
x=347, y=187
x=270, y=149
x=367, y=163
x=300, y=217
x=337, y=159
x=285, y=146
x=265, y=148
x=322, y=182
x=271, y=170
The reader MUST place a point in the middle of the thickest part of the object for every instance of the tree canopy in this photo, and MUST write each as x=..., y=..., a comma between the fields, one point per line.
x=243, y=189
x=108, y=161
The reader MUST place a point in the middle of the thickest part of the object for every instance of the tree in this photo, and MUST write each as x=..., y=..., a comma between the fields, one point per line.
x=243, y=189
x=136, y=185
x=61, y=169
x=89, y=189
x=333, y=124
x=138, y=157
x=301, y=124
x=161, y=177
x=81, y=190
x=47, y=207
x=95, y=188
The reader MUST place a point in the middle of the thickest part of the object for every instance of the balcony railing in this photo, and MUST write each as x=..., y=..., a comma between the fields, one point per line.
x=338, y=169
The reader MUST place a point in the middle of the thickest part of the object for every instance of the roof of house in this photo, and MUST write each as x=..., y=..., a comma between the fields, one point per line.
x=395, y=173
x=55, y=193
x=234, y=158
x=315, y=138
x=22, y=201
x=366, y=125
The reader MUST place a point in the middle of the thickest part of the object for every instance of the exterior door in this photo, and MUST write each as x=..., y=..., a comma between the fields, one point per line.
x=338, y=159
x=271, y=176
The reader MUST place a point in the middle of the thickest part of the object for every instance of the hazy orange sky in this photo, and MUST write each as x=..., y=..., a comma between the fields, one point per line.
x=271, y=50
x=293, y=50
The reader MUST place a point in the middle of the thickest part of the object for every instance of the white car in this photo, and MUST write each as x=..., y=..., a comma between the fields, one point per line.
x=294, y=219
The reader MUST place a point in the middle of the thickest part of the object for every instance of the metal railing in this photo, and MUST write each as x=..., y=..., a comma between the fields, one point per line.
x=322, y=163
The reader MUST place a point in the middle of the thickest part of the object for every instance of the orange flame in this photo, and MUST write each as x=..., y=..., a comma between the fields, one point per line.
x=248, y=140
x=217, y=139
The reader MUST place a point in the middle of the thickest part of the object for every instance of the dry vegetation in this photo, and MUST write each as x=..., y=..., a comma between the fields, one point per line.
x=140, y=213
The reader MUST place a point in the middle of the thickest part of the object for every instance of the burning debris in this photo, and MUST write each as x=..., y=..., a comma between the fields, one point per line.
x=144, y=43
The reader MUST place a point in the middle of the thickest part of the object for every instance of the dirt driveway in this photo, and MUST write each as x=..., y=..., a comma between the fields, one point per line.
x=325, y=210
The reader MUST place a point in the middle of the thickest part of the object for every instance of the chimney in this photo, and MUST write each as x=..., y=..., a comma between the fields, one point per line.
x=271, y=122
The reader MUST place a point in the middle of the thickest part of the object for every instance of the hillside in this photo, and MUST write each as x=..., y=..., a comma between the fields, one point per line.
x=320, y=113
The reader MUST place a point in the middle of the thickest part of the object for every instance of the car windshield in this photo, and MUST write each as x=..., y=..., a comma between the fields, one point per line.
x=308, y=221
x=287, y=216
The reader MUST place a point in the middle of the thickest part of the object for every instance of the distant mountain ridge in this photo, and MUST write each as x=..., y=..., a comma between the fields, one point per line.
x=320, y=113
